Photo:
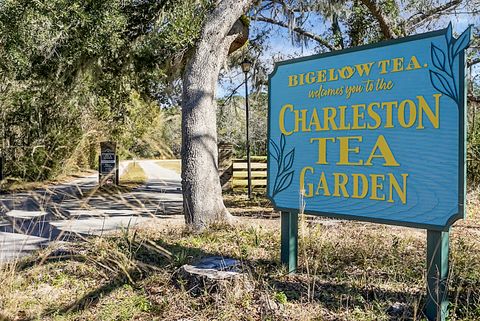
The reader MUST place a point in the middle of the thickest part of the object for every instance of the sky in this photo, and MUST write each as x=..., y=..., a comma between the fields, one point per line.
x=280, y=46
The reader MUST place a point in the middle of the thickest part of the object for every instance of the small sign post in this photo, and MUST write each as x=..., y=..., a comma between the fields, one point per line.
x=1, y=166
x=108, y=164
x=374, y=133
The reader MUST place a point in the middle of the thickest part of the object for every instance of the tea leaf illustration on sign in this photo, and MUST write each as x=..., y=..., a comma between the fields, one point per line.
x=284, y=175
x=443, y=78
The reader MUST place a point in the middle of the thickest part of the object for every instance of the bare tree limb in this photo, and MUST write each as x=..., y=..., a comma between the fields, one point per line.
x=298, y=30
x=462, y=12
x=377, y=13
x=419, y=18
x=473, y=62
x=472, y=98
x=234, y=91
x=337, y=32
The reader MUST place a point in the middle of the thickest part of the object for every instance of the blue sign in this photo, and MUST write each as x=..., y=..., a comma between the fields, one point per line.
x=373, y=133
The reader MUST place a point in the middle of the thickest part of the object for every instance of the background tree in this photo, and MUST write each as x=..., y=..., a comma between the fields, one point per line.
x=231, y=123
x=75, y=72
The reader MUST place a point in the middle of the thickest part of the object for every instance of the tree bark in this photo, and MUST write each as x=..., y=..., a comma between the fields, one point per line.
x=375, y=10
x=202, y=193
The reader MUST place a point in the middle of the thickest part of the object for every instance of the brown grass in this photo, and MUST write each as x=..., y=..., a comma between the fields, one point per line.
x=10, y=185
x=132, y=177
x=133, y=174
x=172, y=164
x=347, y=271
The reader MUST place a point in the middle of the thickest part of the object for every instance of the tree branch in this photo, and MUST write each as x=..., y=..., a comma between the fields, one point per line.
x=337, y=32
x=234, y=91
x=413, y=21
x=376, y=12
x=473, y=62
x=472, y=98
x=298, y=30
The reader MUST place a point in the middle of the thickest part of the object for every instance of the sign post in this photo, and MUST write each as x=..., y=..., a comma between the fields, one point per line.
x=1, y=166
x=108, y=164
x=373, y=133
x=289, y=242
x=437, y=274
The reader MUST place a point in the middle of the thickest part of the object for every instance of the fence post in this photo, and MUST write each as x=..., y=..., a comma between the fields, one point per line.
x=1, y=167
x=117, y=169
x=225, y=164
x=1, y=171
x=99, y=170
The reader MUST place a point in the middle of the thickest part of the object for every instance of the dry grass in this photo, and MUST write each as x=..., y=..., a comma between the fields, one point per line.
x=11, y=185
x=171, y=164
x=347, y=271
x=258, y=206
x=133, y=174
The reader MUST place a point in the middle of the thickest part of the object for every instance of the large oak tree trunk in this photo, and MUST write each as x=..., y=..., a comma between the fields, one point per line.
x=202, y=193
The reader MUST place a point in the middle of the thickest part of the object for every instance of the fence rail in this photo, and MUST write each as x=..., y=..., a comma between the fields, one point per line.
x=258, y=173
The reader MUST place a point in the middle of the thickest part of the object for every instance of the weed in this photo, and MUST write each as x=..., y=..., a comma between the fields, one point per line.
x=347, y=271
x=280, y=297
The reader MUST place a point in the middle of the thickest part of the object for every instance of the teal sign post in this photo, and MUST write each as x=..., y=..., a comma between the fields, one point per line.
x=374, y=133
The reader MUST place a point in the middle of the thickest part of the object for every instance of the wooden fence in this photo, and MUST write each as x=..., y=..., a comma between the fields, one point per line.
x=258, y=173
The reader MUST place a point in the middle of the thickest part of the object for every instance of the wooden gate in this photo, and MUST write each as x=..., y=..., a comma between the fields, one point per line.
x=258, y=173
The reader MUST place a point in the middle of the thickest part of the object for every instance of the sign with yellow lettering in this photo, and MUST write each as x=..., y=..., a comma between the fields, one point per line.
x=374, y=133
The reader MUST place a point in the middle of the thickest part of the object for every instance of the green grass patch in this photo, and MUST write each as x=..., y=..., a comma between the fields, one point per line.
x=124, y=304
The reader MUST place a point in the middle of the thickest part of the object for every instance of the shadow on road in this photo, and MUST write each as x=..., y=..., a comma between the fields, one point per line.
x=30, y=220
